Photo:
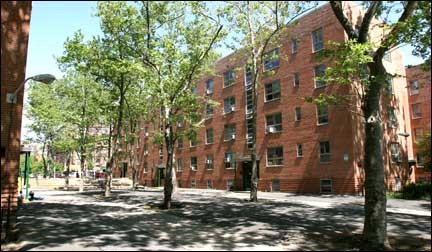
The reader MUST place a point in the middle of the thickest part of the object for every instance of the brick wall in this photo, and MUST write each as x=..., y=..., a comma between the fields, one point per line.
x=422, y=123
x=15, y=17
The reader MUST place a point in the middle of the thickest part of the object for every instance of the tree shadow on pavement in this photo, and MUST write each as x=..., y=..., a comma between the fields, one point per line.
x=133, y=221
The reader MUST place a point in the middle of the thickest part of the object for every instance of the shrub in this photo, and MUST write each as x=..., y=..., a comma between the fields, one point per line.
x=417, y=191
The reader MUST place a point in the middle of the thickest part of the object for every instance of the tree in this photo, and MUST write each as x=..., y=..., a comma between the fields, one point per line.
x=81, y=100
x=109, y=60
x=259, y=27
x=177, y=51
x=45, y=114
x=360, y=62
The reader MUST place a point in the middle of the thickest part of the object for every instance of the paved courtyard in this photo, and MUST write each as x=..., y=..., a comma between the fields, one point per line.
x=211, y=220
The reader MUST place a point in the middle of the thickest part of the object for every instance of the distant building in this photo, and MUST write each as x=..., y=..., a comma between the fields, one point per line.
x=301, y=148
x=419, y=88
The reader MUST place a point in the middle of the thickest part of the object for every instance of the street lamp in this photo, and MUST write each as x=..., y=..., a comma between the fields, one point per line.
x=45, y=78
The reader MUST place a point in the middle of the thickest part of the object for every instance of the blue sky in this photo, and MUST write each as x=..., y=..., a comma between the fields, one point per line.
x=53, y=21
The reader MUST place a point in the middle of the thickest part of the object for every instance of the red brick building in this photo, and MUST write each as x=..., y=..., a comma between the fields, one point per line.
x=301, y=148
x=419, y=83
x=15, y=21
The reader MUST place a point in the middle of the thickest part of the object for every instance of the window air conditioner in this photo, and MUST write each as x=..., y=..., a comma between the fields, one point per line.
x=232, y=136
x=271, y=129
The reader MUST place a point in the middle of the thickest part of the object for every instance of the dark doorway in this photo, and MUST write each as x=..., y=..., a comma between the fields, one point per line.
x=123, y=170
x=160, y=176
x=247, y=175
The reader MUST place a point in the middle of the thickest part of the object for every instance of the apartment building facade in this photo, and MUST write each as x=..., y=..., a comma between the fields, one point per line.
x=301, y=147
x=419, y=83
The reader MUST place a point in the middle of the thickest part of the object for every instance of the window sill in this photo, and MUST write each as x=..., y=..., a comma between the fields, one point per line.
x=209, y=169
x=299, y=156
x=229, y=168
x=268, y=101
x=271, y=69
x=276, y=132
x=315, y=51
x=229, y=140
x=417, y=117
x=321, y=124
x=208, y=143
x=320, y=86
x=325, y=162
x=276, y=166
x=230, y=85
x=228, y=113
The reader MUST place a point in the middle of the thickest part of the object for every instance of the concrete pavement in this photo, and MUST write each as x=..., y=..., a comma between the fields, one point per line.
x=211, y=220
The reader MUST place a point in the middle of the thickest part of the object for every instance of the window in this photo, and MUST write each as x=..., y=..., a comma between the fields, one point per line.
x=193, y=143
x=319, y=72
x=296, y=79
x=392, y=123
x=209, y=184
x=271, y=60
x=326, y=185
x=146, y=133
x=229, y=132
x=272, y=91
x=395, y=153
x=229, y=104
x=387, y=56
x=145, y=167
x=209, y=87
x=420, y=159
x=138, y=141
x=193, y=183
x=297, y=114
x=146, y=151
x=230, y=185
x=418, y=134
x=275, y=156
x=209, y=162
x=228, y=78
x=389, y=84
x=209, y=136
x=324, y=152
x=322, y=112
x=193, y=163
x=179, y=164
x=275, y=186
x=194, y=90
x=180, y=143
x=416, y=110
x=229, y=160
x=317, y=40
x=294, y=46
x=414, y=87
x=274, y=123
x=209, y=111
x=299, y=150
x=161, y=152
x=248, y=75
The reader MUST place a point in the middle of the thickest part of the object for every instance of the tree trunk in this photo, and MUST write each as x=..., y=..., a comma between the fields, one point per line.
x=108, y=178
x=168, y=185
x=82, y=166
x=375, y=223
x=44, y=160
x=67, y=170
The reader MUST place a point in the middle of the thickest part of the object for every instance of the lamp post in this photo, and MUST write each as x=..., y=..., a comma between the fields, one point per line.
x=44, y=78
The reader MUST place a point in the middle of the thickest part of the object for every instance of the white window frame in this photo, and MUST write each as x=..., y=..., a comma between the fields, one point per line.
x=180, y=143
x=277, y=126
x=296, y=79
x=209, y=88
x=299, y=147
x=321, y=33
x=229, y=131
x=414, y=114
x=229, y=102
x=277, y=160
x=297, y=114
x=320, y=116
x=395, y=152
x=209, y=165
x=392, y=118
x=230, y=81
x=192, y=167
x=211, y=184
x=179, y=164
x=272, y=93
x=324, y=155
x=330, y=185
x=231, y=162
x=315, y=76
x=416, y=89
x=270, y=55
x=212, y=136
